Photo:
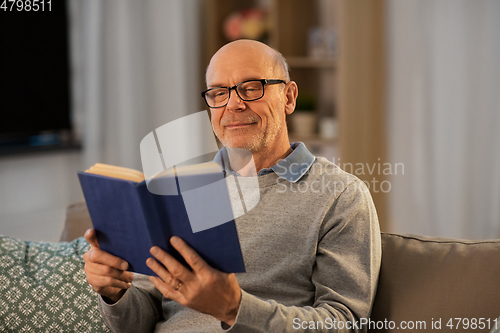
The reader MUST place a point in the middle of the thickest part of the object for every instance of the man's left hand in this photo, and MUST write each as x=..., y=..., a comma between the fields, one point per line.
x=204, y=289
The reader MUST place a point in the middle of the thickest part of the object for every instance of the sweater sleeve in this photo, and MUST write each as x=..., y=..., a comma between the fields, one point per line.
x=345, y=274
x=138, y=310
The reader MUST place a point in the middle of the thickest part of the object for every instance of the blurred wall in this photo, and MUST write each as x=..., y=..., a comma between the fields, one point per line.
x=444, y=116
x=34, y=192
x=133, y=66
x=136, y=64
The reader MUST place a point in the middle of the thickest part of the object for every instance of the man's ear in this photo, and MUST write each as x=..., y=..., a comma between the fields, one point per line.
x=291, y=93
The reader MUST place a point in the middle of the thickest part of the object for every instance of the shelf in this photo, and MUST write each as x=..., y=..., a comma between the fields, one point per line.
x=307, y=62
x=289, y=32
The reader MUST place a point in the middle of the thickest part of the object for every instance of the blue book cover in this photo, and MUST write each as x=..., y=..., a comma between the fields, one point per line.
x=129, y=220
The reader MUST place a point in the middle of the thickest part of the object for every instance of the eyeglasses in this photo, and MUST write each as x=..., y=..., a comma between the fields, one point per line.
x=247, y=91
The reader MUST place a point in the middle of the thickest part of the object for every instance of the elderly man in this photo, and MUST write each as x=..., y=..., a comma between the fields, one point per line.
x=311, y=246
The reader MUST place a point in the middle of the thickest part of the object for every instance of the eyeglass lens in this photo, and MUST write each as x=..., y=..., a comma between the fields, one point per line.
x=247, y=91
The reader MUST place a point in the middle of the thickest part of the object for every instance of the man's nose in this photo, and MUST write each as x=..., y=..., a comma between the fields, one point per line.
x=235, y=103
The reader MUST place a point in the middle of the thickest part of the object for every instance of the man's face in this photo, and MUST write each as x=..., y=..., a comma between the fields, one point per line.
x=249, y=125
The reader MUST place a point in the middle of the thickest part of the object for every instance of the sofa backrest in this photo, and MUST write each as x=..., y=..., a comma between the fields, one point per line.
x=76, y=223
x=421, y=278
x=431, y=279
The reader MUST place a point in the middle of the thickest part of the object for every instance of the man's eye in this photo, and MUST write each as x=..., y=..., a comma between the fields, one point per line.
x=252, y=88
x=220, y=94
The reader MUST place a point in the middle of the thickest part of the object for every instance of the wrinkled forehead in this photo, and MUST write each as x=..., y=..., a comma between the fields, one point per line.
x=235, y=64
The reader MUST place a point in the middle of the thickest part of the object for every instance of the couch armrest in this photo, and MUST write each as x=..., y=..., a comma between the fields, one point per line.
x=77, y=222
x=430, y=278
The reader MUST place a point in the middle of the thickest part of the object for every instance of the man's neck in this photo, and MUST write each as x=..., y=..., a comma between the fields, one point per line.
x=264, y=158
x=268, y=159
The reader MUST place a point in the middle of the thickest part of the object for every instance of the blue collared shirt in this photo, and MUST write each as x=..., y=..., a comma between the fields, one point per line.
x=291, y=168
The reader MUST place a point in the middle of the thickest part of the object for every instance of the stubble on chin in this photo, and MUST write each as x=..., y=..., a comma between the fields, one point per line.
x=256, y=142
x=252, y=143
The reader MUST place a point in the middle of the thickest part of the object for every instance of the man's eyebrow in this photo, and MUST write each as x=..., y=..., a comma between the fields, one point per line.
x=214, y=85
x=221, y=85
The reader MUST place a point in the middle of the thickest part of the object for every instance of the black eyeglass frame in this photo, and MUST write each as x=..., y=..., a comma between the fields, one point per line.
x=263, y=81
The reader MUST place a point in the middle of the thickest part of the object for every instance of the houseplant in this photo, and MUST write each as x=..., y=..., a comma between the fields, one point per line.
x=304, y=118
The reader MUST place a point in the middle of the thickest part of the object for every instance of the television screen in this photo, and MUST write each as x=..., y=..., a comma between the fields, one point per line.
x=34, y=72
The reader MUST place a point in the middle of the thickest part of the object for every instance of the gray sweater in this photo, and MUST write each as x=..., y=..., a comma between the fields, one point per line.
x=312, y=254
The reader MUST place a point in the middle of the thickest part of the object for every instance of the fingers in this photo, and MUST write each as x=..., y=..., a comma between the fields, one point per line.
x=172, y=269
x=162, y=273
x=91, y=238
x=192, y=258
x=107, y=271
x=168, y=291
x=99, y=256
x=102, y=282
x=204, y=289
x=166, y=283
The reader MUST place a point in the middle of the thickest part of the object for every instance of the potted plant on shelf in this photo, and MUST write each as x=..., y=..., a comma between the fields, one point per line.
x=304, y=117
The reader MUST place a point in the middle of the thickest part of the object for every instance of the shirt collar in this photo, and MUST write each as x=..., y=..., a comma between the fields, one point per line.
x=291, y=168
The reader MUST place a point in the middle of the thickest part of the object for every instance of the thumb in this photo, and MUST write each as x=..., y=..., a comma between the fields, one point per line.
x=91, y=238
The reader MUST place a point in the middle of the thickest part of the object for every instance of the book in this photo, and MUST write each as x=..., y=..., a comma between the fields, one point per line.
x=129, y=219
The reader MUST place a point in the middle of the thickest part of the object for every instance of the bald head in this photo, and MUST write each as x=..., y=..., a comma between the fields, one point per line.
x=251, y=51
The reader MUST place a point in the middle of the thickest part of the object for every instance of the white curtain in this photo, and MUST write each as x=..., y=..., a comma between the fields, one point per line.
x=444, y=116
x=135, y=67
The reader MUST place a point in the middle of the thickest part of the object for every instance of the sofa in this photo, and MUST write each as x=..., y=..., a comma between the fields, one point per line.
x=423, y=281
x=436, y=280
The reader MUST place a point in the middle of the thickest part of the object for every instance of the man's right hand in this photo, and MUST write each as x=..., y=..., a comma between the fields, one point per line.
x=106, y=273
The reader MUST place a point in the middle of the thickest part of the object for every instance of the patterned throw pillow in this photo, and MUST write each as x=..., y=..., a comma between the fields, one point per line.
x=43, y=288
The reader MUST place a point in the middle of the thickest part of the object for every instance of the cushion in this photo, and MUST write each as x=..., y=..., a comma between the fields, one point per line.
x=43, y=288
x=429, y=278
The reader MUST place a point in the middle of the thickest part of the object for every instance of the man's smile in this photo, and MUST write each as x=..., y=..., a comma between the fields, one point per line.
x=239, y=125
x=242, y=121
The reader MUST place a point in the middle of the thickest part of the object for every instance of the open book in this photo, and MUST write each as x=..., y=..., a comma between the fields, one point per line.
x=129, y=219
